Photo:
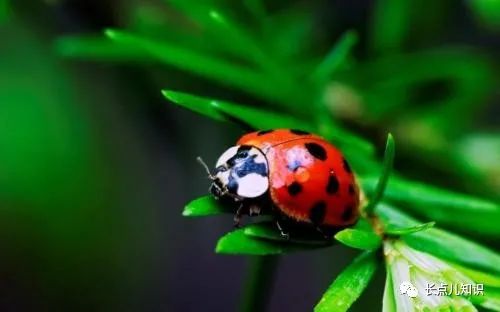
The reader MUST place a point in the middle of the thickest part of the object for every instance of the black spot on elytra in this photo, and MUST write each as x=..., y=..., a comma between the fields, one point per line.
x=316, y=150
x=294, y=188
x=299, y=132
x=346, y=165
x=347, y=213
x=333, y=185
x=351, y=189
x=262, y=132
x=317, y=213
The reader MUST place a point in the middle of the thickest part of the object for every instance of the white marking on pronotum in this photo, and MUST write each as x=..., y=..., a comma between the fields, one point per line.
x=252, y=185
x=230, y=152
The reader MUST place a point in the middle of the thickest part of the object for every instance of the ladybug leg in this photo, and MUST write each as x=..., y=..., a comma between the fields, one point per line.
x=254, y=210
x=285, y=234
x=239, y=214
x=322, y=232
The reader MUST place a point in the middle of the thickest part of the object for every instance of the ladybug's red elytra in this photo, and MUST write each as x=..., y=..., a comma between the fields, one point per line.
x=304, y=178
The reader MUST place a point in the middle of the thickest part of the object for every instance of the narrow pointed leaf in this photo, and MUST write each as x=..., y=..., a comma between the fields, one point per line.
x=204, y=206
x=230, y=74
x=490, y=300
x=269, y=230
x=197, y=104
x=469, y=213
x=488, y=279
x=395, y=230
x=384, y=177
x=226, y=33
x=244, y=43
x=225, y=111
x=4, y=10
x=347, y=139
x=98, y=48
x=238, y=243
x=335, y=57
x=257, y=8
x=360, y=239
x=441, y=243
x=391, y=24
x=363, y=224
x=349, y=285
x=388, y=303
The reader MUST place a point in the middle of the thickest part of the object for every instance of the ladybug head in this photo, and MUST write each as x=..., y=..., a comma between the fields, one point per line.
x=241, y=172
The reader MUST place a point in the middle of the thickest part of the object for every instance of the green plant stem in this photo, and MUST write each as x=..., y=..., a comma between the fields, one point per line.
x=259, y=283
x=384, y=177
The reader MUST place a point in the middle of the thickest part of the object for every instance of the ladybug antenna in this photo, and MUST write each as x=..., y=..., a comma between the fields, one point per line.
x=206, y=167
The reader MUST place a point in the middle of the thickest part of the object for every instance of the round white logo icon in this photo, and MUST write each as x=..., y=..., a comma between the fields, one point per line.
x=408, y=289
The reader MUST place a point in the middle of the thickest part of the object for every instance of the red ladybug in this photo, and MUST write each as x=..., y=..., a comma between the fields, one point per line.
x=303, y=176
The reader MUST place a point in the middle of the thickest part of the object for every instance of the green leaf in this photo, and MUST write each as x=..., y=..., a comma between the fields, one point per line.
x=448, y=208
x=384, y=177
x=359, y=239
x=98, y=48
x=245, y=43
x=391, y=23
x=346, y=139
x=388, y=303
x=269, y=230
x=257, y=8
x=225, y=111
x=349, y=285
x=394, y=230
x=490, y=300
x=442, y=244
x=487, y=13
x=479, y=276
x=4, y=10
x=227, y=34
x=386, y=82
x=336, y=57
x=238, y=243
x=204, y=206
x=242, y=77
x=363, y=224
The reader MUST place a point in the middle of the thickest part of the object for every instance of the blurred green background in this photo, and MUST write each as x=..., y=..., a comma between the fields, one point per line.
x=95, y=165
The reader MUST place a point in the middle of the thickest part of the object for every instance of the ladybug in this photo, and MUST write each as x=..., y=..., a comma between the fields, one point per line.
x=303, y=177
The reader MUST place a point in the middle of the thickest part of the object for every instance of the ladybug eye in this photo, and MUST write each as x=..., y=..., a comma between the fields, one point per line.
x=242, y=154
x=220, y=169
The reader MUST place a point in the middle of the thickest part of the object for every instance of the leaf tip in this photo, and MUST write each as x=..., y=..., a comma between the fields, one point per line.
x=219, y=248
x=187, y=212
x=390, y=138
x=110, y=33
x=169, y=95
x=341, y=234
x=352, y=36
x=216, y=16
